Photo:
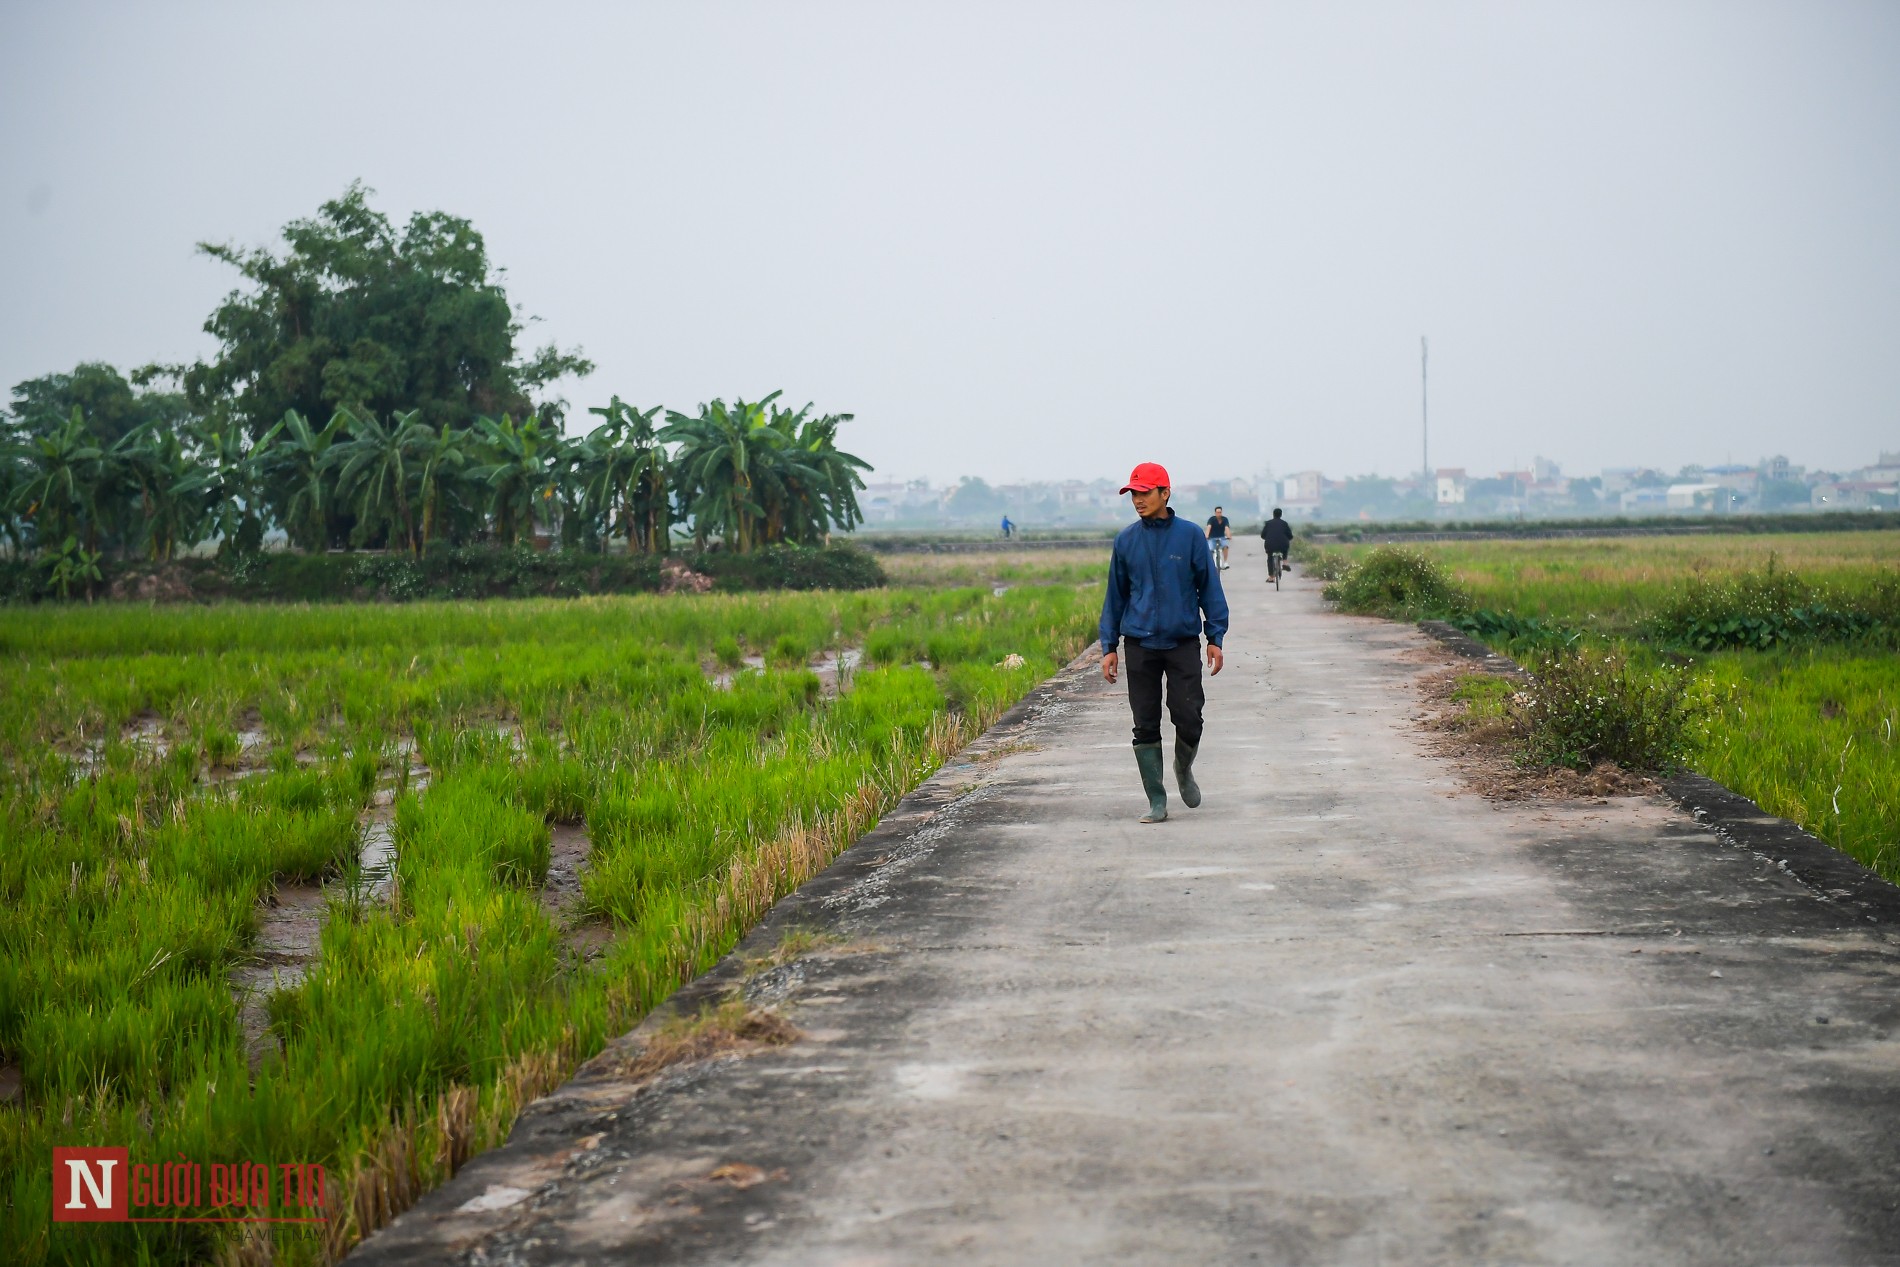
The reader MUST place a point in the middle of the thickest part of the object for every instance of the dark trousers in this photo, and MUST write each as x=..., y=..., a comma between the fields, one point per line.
x=1180, y=667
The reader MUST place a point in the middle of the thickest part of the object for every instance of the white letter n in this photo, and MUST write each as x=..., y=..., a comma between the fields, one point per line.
x=101, y=1192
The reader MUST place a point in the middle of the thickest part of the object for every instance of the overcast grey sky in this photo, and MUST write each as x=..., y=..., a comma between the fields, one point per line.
x=1040, y=240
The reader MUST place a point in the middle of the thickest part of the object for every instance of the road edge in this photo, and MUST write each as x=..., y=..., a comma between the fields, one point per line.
x=1831, y=875
x=552, y=1131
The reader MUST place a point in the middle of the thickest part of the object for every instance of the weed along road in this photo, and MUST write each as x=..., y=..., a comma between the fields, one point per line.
x=1348, y=1011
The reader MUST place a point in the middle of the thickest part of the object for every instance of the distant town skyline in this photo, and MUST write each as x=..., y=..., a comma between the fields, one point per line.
x=1187, y=476
x=1541, y=488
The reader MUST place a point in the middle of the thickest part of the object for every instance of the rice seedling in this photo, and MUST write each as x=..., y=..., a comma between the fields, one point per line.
x=141, y=837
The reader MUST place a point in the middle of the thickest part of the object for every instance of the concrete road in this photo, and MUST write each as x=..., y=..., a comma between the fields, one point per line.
x=1345, y=1012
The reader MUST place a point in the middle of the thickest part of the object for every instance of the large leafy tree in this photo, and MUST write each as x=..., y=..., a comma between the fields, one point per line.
x=359, y=314
x=112, y=406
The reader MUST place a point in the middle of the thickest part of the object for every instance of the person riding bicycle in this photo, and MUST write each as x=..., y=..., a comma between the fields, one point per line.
x=1217, y=537
x=1277, y=533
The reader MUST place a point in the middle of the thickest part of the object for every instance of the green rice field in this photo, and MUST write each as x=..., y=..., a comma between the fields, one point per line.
x=1810, y=731
x=348, y=885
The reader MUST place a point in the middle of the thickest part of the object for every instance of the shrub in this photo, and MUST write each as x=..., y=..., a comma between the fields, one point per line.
x=790, y=567
x=1588, y=705
x=1488, y=625
x=459, y=572
x=1321, y=563
x=1396, y=582
x=1762, y=609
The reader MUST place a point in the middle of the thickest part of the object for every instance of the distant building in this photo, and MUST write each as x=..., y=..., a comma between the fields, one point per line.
x=1856, y=494
x=1266, y=492
x=1450, y=485
x=1616, y=479
x=1692, y=496
x=1643, y=501
x=1301, y=494
x=1740, y=486
x=1886, y=470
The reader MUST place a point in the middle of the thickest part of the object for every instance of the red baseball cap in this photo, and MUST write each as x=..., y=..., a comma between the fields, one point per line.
x=1147, y=476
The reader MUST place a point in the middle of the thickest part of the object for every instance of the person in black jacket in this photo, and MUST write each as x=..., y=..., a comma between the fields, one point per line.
x=1278, y=535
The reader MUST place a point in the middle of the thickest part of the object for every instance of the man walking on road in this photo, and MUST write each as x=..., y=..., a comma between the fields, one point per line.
x=1160, y=587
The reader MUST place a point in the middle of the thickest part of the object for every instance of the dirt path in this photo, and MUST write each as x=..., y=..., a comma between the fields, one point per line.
x=1345, y=1012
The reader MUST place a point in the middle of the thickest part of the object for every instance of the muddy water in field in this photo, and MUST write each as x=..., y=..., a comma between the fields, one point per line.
x=290, y=924
x=561, y=897
x=289, y=931
x=834, y=669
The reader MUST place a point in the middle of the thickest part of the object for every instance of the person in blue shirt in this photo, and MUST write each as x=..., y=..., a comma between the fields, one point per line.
x=1009, y=529
x=1162, y=594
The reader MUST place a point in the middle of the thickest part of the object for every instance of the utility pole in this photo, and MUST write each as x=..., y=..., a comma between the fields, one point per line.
x=1424, y=414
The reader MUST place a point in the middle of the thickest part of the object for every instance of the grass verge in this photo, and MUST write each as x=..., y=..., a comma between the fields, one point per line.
x=167, y=768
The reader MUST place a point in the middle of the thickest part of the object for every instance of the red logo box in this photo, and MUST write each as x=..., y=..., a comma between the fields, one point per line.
x=90, y=1185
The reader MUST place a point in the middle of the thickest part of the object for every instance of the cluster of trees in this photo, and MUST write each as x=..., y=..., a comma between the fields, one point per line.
x=749, y=474
x=365, y=394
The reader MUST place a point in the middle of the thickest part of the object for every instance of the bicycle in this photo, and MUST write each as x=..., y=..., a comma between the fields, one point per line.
x=1276, y=567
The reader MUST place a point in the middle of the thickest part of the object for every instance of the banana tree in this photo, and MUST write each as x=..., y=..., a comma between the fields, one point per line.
x=838, y=481
x=722, y=450
x=170, y=484
x=13, y=479
x=297, y=461
x=65, y=473
x=69, y=563
x=567, y=476
x=626, y=476
x=229, y=480
x=809, y=484
x=516, y=471
x=373, y=469
x=439, y=464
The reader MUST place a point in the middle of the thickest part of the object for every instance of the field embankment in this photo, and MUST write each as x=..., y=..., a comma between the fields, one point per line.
x=426, y=769
x=450, y=572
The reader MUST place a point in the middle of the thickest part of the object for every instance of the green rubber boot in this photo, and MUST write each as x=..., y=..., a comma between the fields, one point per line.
x=1148, y=757
x=1184, y=754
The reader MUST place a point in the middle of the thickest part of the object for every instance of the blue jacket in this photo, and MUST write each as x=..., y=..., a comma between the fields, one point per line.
x=1160, y=581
